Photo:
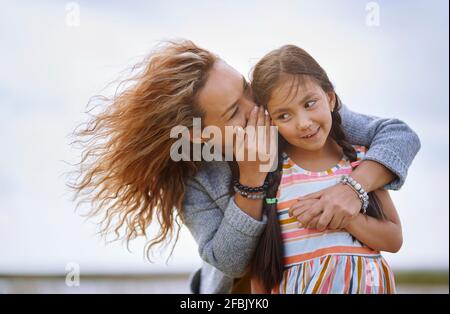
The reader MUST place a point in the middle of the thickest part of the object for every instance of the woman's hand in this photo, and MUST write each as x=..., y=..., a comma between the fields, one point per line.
x=258, y=143
x=255, y=148
x=330, y=208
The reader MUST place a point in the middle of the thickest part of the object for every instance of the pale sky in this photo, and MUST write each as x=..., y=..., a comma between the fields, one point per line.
x=50, y=69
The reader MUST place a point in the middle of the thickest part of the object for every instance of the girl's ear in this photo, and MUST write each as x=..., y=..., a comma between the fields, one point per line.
x=331, y=100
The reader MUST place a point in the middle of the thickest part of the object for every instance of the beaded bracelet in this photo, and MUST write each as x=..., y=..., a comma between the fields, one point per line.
x=250, y=189
x=362, y=194
x=249, y=195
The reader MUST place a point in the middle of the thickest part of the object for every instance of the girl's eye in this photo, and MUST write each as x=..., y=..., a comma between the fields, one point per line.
x=309, y=104
x=282, y=117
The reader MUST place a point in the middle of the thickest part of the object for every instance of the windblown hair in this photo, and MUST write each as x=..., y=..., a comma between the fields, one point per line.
x=289, y=63
x=126, y=173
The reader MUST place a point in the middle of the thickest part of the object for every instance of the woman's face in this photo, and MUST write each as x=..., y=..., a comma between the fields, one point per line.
x=303, y=114
x=225, y=98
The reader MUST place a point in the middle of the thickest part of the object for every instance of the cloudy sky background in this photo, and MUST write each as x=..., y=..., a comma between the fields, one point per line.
x=50, y=67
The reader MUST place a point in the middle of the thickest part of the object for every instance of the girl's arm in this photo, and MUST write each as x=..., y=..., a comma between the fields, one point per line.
x=379, y=234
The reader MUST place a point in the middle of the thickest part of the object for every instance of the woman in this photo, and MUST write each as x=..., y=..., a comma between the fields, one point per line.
x=128, y=175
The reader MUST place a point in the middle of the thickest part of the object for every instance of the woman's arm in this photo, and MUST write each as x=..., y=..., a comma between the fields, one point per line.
x=227, y=240
x=392, y=145
x=379, y=234
x=373, y=175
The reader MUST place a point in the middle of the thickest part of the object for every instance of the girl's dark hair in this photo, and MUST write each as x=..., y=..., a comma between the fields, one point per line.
x=292, y=62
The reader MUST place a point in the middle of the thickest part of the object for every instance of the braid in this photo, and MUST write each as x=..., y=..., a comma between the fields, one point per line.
x=337, y=133
x=267, y=264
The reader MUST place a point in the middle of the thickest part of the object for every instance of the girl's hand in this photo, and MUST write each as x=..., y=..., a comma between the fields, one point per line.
x=258, y=142
x=330, y=208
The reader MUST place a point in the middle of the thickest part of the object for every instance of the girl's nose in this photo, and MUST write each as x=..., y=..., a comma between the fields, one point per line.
x=303, y=123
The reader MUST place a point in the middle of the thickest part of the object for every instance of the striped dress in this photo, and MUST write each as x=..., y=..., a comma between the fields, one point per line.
x=331, y=261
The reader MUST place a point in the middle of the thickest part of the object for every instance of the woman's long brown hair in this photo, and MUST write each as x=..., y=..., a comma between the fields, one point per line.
x=126, y=173
x=295, y=63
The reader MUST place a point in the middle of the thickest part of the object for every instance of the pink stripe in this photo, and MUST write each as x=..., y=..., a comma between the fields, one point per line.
x=301, y=176
x=288, y=235
x=327, y=284
x=368, y=276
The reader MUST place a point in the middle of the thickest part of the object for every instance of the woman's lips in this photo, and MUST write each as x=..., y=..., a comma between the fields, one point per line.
x=310, y=136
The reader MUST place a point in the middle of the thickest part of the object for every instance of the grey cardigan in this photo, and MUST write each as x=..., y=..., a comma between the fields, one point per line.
x=227, y=236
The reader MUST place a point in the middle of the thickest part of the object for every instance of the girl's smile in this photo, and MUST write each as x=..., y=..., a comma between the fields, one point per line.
x=311, y=136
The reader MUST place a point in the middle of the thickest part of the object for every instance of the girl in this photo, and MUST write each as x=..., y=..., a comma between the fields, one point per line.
x=290, y=257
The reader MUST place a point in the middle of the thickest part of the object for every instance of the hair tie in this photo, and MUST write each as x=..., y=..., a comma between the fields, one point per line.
x=271, y=200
